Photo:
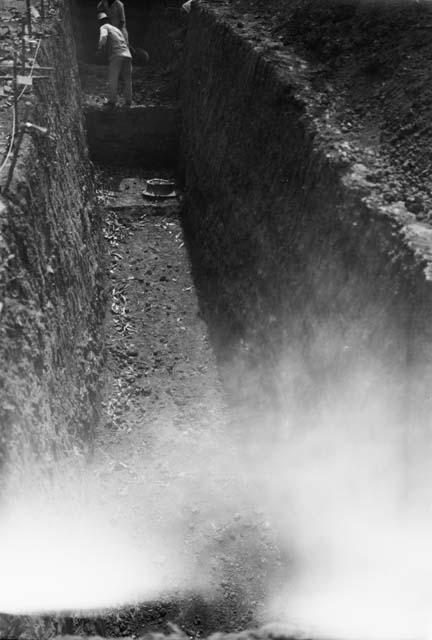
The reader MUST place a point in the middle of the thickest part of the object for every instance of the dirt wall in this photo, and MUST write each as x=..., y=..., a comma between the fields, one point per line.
x=140, y=136
x=50, y=287
x=303, y=267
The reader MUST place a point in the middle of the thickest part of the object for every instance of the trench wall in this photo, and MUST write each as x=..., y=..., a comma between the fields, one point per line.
x=141, y=136
x=301, y=266
x=50, y=287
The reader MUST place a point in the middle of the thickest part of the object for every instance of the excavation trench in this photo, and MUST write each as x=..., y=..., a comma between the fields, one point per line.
x=273, y=302
x=163, y=449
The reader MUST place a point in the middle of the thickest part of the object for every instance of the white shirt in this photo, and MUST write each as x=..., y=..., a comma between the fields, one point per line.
x=114, y=41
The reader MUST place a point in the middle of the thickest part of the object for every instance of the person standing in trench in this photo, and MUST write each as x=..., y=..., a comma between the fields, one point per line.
x=116, y=14
x=113, y=43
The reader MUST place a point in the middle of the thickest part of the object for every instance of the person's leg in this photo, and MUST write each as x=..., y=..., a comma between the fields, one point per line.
x=127, y=79
x=114, y=69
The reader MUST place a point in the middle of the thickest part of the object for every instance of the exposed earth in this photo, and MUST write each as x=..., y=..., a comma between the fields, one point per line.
x=163, y=452
x=166, y=419
x=165, y=410
x=370, y=69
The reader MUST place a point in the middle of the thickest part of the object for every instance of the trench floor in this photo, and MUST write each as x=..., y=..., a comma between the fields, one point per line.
x=163, y=448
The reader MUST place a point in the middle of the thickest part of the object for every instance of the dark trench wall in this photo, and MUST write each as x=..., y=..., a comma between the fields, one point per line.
x=49, y=273
x=139, y=137
x=298, y=270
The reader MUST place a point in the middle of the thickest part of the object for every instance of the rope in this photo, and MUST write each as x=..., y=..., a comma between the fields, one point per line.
x=14, y=123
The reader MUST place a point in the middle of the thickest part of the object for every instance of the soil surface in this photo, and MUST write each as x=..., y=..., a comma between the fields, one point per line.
x=150, y=87
x=163, y=444
x=370, y=68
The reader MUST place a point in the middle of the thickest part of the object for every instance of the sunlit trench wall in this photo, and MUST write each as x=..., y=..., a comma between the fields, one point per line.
x=49, y=273
x=300, y=265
